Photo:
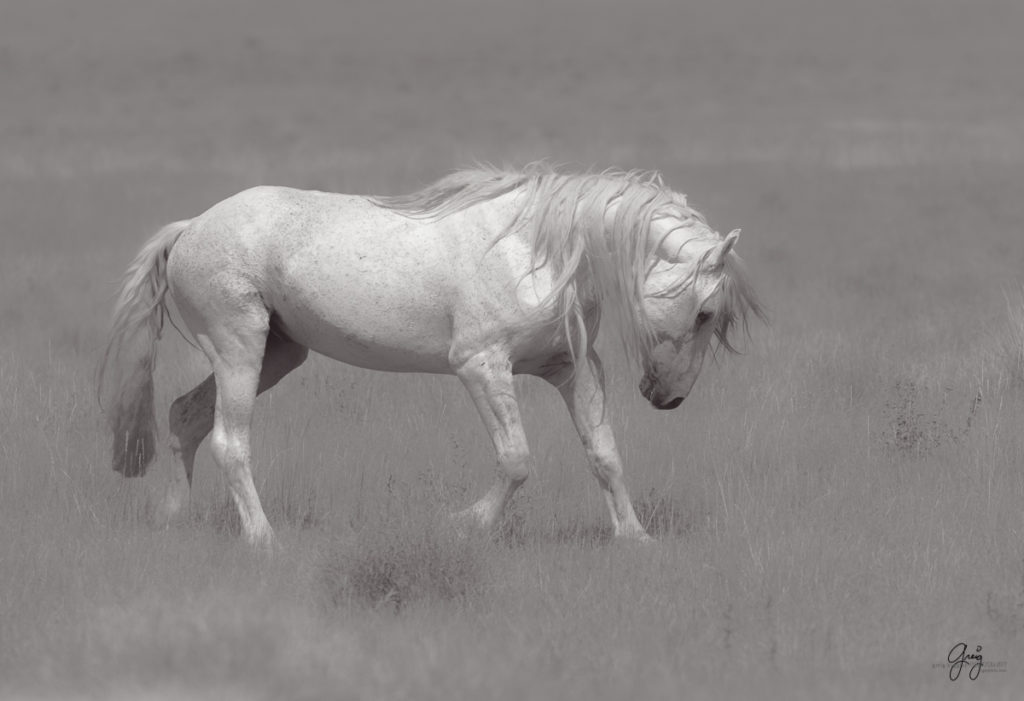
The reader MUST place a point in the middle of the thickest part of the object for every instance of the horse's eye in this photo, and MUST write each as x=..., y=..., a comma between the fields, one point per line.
x=703, y=318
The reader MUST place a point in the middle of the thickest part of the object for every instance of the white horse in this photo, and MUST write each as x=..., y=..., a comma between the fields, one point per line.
x=484, y=274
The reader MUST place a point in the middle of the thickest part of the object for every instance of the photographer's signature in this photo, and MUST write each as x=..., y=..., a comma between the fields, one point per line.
x=963, y=659
x=959, y=658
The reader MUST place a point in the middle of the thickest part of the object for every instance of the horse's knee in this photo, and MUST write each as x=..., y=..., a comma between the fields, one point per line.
x=516, y=465
x=608, y=471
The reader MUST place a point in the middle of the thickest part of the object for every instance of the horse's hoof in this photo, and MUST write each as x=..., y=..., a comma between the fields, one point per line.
x=264, y=542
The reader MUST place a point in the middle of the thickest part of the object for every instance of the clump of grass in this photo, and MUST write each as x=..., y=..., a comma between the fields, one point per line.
x=910, y=427
x=394, y=565
x=919, y=420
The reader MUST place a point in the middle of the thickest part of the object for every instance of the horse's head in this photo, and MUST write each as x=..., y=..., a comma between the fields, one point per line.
x=694, y=292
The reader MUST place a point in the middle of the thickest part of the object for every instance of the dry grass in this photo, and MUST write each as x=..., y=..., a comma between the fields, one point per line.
x=391, y=565
x=835, y=509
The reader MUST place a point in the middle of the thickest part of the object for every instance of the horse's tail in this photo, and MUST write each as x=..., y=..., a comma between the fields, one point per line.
x=126, y=372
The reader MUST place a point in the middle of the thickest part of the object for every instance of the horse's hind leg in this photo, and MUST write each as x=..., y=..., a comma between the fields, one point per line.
x=488, y=378
x=191, y=419
x=195, y=414
x=237, y=356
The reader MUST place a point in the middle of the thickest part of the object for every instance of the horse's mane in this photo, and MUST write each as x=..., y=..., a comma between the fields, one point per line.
x=567, y=217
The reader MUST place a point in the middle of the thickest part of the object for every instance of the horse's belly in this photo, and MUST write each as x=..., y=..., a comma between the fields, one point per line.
x=368, y=330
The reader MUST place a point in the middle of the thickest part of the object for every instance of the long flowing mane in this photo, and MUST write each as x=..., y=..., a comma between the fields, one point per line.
x=568, y=219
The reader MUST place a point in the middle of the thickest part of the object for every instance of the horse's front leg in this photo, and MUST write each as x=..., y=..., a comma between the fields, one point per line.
x=584, y=395
x=487, y=377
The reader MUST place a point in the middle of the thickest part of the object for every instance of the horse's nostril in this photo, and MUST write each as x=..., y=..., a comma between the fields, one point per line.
x=646, y=387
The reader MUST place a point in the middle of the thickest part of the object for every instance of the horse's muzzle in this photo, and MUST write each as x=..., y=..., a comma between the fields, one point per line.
x=647, y=389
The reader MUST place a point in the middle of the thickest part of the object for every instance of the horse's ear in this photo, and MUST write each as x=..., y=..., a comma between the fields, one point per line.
x=717, y=257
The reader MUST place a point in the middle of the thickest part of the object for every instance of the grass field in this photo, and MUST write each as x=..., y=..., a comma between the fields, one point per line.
x=836, y=508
